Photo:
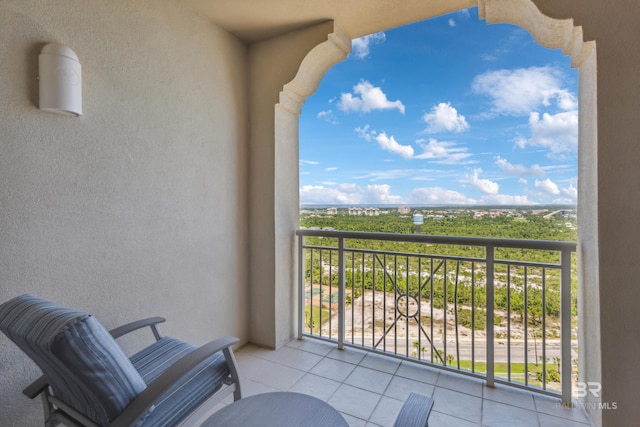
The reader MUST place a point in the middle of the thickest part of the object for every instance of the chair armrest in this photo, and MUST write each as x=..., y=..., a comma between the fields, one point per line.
x=138, y=324
x=146, y=399
x=35, y=388
x=414, y=412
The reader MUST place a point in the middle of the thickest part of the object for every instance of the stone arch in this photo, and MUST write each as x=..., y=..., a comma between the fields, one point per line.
x=548, y=32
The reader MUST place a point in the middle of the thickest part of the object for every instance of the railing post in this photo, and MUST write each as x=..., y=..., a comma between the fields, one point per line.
x=341, y=292
x=565, y=325
x=489, y=321
x=301, y=268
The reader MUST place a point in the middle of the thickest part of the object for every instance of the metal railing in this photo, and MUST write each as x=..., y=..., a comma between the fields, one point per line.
x=498, y=309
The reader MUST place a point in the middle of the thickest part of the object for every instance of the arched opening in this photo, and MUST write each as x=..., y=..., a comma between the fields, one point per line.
x=549, y=33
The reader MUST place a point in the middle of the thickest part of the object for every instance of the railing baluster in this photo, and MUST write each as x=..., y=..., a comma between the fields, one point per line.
x=565, y=325
x=362, y=311
x=431, y=304
x=407, y=313
x=330, y=292
x=311, y=291
x=301, y=295
x=353, y=295
x=526, y=328
x=473, y=316
x=444, y=328
x=509, y=322
x=341, y=292
x=395, y=302
x=490, y=306
x=384, y=301
x=419, y=319
x=544, y=328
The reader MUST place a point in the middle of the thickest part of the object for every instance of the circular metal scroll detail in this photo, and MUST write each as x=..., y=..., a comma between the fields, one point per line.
x=407, y=306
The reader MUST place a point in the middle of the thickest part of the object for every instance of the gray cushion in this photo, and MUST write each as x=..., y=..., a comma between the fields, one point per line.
x=82, y=362
x=190, y=391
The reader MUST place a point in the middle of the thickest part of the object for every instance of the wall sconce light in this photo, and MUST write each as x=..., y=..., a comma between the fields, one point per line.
x=60, y=80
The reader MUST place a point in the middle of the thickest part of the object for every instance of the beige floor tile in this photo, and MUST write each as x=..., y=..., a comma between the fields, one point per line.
x=399, y=388
x=461, y=383
x=380, y=363
x=269, y=373
x=369, y=379
x=386, y=412
x=354, y=401
x=292, y=357
x=438, y=419
x=510, y=396
x=349, y=355
x=457, y=404
x=418, y=372
x=495, y=414
x=320, y=387
x=333, y=369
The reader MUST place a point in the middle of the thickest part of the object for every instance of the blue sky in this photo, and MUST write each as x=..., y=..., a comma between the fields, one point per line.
x=445, y=111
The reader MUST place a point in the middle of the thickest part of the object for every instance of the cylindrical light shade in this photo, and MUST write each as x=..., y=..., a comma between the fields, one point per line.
x=60, y=80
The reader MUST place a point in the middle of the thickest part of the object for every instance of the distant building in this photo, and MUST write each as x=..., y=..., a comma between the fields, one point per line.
x=356, y=211
x=372, y=211
x=404, y=209
x=332, y=211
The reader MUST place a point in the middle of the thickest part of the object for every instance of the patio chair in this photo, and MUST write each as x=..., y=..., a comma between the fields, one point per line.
x=89, y=381
x=414, y=412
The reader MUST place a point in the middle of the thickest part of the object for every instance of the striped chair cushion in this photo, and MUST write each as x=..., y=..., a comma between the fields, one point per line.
x=82, y=362
x=188, y=393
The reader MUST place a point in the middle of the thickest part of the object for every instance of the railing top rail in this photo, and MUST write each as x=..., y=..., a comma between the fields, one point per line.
x=552, y=245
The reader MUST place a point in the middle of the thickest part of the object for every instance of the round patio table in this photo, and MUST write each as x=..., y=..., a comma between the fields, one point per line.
x=277, y=409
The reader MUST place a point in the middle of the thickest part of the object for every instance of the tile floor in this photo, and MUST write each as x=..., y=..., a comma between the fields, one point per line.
x=369, y=389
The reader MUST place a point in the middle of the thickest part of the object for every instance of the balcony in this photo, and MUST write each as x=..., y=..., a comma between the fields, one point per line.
x=496, y=310
x=369, y=389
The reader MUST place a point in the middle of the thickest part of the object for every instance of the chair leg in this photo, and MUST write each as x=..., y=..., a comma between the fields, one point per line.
x=233, y=370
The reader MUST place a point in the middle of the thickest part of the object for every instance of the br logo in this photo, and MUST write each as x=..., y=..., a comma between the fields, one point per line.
x=584, y=389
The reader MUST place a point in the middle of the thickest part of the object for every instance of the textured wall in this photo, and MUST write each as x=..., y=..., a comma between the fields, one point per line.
x=139, y=207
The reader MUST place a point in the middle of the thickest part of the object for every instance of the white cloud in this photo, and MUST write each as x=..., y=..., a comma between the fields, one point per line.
x=547, y=186
x=523, y=90
x=443, y=152
x=452, y=23
x=367, y=98
x=331, y=169
x=438, y=196
x=343, y=194
x=328, y=117
x=558, y=133
x=444, y=118
x=389, y=144
x=364, y=133
x=505, y=199
x=570, y=195
x=348, y=193
x=361, y=46
x=570, y=192
x=519, y=170
x=308, y=162
x=381, y=194
x=484, y=185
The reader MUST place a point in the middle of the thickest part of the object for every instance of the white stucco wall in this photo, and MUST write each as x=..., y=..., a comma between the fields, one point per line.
x=139, y=207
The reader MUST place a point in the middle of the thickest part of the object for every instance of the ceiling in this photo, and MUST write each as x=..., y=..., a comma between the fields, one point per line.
x=256, y=20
